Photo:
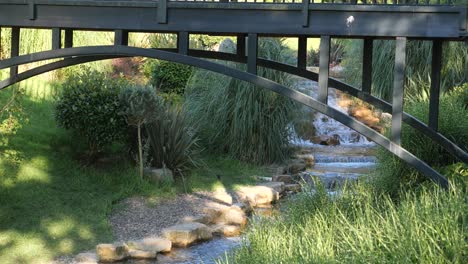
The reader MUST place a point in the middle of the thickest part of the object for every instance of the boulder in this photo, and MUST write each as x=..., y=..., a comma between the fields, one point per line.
x=295, y=166
x=142, y=254
x=159, y=175
x=283, y=178
x=111, y=252
x=292, y=187
x=185, y=234
x=244, y=207
x=232, y=215
x=226, y=230
x=277, y=186
x=202, y=219
x=257, y=195
x=151, y=244
x=86, y=258
x=333, y=140
x=223, y=197
x=309, y=159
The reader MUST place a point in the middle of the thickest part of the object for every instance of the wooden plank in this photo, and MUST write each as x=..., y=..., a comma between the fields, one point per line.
x=68, y=38
x=398, y=89
x=435, y=84
x=14, y=52
x=32, y=10
x=240, y=50
x=56, y=38
x=305, y=13
x=120, y=37
x=302, y=52
x=367, y=65
x=252, y=52
x=183, y=42
x=162, y=12
x=324, y=65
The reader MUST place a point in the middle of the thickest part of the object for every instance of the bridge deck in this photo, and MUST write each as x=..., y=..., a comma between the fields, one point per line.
x=292, y=18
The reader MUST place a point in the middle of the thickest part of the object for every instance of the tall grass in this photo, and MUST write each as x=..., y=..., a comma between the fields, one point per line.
x=248, y=122
x=418, y=55
x=359, y=226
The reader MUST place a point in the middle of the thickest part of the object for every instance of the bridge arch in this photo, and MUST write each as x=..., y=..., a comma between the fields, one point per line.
x=86, y=54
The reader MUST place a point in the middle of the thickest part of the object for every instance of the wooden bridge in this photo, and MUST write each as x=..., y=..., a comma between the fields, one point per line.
x=248, y=20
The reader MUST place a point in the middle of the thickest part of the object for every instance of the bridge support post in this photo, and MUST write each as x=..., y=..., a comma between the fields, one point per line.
x=240, y=46
x=183, y=42
x=56, y=38
x=324, y=65
x=252, y=52
x=68, y=38
x=302, y=52
x=162, y=12
x=121, y=37
x=367, y=65
x=435, y=84
x=398, y=89
x=14, y=52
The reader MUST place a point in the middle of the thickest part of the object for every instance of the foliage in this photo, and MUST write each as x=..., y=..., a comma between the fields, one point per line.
x=359, y=226
x=89, y=105
x=418, y=70
x=167, y=77
x=173, y=141
x=139, y=106
x=453, y=121
x=247, y=122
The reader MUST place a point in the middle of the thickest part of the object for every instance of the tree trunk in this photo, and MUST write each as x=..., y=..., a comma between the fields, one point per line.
x=140, y=151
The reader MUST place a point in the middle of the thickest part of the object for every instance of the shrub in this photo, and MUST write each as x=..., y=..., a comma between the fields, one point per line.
x=248, y=122
x=453, y=121
x=167, y=77
x=173, y=142
x=140, y=105
x=89, y=105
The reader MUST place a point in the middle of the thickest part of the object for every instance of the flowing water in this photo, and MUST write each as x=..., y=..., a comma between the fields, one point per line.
x=334, y=165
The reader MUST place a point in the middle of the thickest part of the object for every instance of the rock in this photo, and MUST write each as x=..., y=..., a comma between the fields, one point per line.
x=142, y=254
x=233, y=216
x=212, y=214
x=182, y=235
x=227, y=45
x=111, y=252
x=282, y=178
x=293, y=187
x=333, y=140
x=295, y=166
x=223, y=197
x=86, y=258
x=226, y=230
x=277, y=186
x=309, y=159
x=244, y=207
x=151, y=244
x=159, y=175
x=304, y=128
x=257, y=195
x=203, y=219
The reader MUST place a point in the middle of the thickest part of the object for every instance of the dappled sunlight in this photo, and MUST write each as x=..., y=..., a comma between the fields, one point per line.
x=34, y=170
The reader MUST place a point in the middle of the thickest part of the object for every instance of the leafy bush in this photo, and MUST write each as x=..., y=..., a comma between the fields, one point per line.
x=140, y=105
x=167, y=77
x=417, y=71
x=392, y=173
x=173, y=142
x=248, y=122
x=89, y=105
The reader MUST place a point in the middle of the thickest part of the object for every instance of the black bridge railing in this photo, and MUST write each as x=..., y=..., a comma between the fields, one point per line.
x=349, y=2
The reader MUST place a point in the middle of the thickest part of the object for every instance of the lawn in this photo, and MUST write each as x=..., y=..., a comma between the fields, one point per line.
x=53, y=205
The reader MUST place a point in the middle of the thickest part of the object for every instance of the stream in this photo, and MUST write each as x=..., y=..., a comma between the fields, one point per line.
x=354, y=156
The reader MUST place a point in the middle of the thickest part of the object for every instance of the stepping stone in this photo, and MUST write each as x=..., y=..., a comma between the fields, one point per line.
x=223, y=197
x=257, y=195
x=283, y=178
x=86, y=258
x=293, y=187
x=142, y=254
x=226, y=230
x=111, y=252
x=151, y=244
x=182, y=235
x=232, y=215
x=277, y=186
x=295, y=166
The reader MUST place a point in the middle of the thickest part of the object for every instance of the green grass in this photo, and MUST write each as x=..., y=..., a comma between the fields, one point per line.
x=425, y=226
x=51, y=204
